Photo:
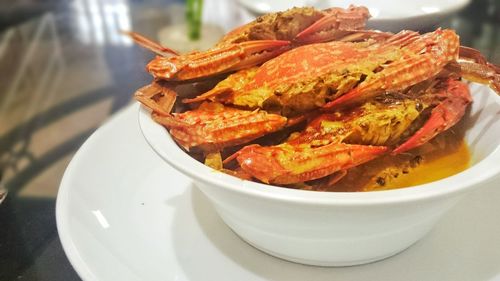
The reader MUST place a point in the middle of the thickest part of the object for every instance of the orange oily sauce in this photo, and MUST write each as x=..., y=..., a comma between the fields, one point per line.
x=444, y=156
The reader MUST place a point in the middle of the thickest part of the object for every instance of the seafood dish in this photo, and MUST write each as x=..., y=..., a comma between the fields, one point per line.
x=310, y=99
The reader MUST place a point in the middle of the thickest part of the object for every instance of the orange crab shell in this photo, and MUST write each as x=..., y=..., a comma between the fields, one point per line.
x=309, y=61
x=287, y=164
x=424, y=57
x=261, y=40
x=214, y=126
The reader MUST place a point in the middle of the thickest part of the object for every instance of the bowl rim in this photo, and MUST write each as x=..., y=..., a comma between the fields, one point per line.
x=163, y=144
x=443, y=8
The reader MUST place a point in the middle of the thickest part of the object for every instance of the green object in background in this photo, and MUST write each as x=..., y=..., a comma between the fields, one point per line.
x=193, y=16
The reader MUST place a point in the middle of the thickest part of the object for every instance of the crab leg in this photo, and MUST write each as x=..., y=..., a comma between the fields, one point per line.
x=336, y=23
x=443, y=116
x=362, y=35
x=233, y=83
x=287, y=164
x=216, y=61
x=212, y=93
x=150, y=44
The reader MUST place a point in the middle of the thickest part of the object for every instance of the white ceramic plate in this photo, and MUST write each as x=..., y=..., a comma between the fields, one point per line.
x=386, y=15
x=123, y=214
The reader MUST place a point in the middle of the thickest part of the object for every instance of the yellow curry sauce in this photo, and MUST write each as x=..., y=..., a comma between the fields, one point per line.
x=445, y=155
x=432, y=169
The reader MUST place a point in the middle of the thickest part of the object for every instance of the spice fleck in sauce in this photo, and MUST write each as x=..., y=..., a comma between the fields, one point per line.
x=430, y=169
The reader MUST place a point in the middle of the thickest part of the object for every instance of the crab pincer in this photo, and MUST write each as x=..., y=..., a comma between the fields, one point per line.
x=475, y=67
x=446, y=114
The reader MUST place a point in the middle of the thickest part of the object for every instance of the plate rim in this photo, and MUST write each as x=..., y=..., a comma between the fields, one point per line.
x=69, y=247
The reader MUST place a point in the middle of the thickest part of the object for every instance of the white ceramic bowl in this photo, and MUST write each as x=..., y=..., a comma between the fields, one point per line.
x=398, y=15
x=338, y=229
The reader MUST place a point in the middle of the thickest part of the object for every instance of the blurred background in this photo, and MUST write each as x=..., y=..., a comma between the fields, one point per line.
x=65, y=68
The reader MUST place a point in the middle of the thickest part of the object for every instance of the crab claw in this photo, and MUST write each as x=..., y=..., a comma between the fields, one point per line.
x=287, y=164
x=216, y=61
x=336, y=23
x=443, y=116
x=475, y=67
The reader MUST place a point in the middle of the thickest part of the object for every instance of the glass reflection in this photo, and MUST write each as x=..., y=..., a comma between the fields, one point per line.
x=102, y=23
